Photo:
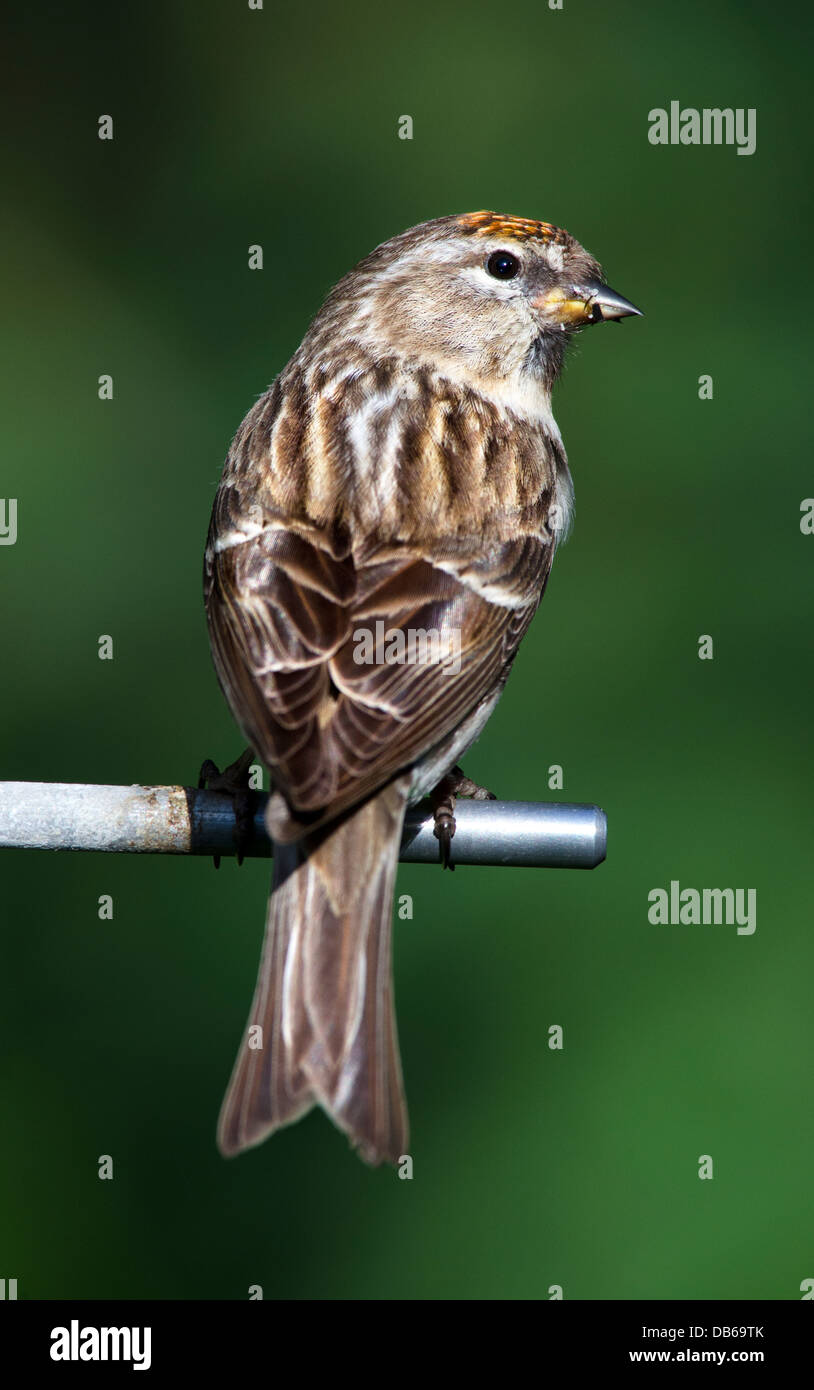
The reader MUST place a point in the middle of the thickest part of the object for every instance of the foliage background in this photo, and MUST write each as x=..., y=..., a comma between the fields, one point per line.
x=533, y=1167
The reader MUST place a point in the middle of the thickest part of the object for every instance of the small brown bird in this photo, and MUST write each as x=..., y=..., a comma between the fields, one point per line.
x=380, y=540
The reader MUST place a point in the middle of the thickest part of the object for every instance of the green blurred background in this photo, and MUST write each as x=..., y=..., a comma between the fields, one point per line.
x=532, y=1167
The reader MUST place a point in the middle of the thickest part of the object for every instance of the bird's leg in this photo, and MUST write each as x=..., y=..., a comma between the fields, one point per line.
x=234, y=782
x=442, y=800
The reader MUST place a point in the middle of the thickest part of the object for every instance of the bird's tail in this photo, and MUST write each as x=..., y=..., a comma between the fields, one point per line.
x=322, y=1027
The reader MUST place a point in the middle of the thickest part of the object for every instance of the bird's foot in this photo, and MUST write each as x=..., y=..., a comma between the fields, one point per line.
x=443, y=799
x=233, y=781
x=468, y=789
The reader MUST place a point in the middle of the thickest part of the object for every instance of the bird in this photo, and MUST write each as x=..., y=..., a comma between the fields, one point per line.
x=403, y=474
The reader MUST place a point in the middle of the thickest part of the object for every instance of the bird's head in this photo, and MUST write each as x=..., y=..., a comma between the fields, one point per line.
x=480, y=296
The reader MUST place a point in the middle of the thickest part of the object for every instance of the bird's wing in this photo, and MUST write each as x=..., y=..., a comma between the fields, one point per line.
x=306, y=638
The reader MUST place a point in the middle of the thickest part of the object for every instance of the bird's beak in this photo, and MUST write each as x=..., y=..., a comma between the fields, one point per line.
x=588, y=302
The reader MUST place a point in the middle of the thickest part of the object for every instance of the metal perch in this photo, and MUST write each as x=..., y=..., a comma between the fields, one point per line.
x=184, y=820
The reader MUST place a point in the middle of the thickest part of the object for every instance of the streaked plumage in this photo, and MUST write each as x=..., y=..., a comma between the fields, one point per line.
x=404, y=467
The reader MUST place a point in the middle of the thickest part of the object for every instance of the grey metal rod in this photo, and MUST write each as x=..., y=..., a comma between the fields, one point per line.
x=183, y=820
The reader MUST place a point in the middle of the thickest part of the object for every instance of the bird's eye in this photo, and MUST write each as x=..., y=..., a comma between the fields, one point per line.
x=503, y=265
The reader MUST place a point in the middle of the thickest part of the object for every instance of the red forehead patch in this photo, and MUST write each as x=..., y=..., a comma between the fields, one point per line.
x=520, y=228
